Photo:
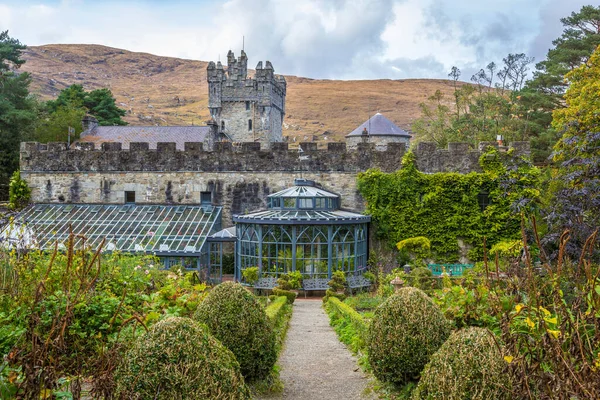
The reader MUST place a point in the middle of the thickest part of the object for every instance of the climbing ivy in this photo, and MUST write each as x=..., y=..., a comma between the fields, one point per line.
x=447, y=207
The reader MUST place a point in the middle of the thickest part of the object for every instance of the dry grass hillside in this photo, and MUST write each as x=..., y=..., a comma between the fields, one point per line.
x=172, y=91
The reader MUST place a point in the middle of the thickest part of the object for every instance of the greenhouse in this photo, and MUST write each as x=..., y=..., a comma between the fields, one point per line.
x=303, y=229
x=177, y=234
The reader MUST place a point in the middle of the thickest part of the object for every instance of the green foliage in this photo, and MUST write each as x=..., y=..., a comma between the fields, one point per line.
x=19, y=193
x=421, y=278
x=404, y=332
x=17, y=108
x=234, y=316
x=101, y=303
x=445, y=206
x=100, y=103
x=178, y=359
x=576, y=184
x=469, y=365
x=54, y=126
x=472, y=305
x=348, y=324
x=338, y=281
x=250, y=275
x=289, y=295
x=418, y=248
x=279, y=312
x=295, y=279
x=276, y=307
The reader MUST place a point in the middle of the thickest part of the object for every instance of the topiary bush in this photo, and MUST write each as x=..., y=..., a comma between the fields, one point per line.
x=234, y=316
x=469, y=365
x=291, y=296
x=178, y=359
x=404, y=332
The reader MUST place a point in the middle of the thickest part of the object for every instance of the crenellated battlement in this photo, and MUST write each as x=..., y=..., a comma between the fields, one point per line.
x=248, y=157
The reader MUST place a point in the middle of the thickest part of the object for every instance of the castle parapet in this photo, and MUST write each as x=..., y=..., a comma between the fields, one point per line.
x=247, y=157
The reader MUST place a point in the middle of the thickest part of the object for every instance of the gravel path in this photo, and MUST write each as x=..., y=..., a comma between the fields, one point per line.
x=314, y=364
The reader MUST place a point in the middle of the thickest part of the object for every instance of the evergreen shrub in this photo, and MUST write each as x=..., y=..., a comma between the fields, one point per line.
x=404, y=332
x=291, y=296
x=235, y=317
x=178, y=359
x=469, y=365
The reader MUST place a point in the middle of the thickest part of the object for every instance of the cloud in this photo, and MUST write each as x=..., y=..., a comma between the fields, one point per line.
x=337, y=39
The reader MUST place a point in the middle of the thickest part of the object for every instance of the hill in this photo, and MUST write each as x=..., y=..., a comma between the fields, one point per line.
x=172, y=91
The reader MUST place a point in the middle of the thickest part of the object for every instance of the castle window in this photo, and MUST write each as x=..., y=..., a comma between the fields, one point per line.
x=249, y=124
x=205, y=198
x=214, y=90
x=222, y=125
x=129, y=197
x=484, y=200
x=247, y=105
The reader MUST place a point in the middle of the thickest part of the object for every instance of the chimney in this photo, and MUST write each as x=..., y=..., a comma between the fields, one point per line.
x=88, y=123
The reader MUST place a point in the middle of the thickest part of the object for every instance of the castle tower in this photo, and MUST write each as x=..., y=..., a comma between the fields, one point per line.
x=246, y=109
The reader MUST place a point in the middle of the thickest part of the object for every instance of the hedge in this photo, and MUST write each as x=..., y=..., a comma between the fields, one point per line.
x=348, y=323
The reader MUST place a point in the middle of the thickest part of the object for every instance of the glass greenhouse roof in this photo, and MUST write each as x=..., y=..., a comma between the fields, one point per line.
x=303, y=191
x=313, y=217
x=159, y=229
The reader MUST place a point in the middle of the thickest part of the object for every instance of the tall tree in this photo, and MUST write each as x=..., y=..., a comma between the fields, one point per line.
x=100, y=103
x=544, y=93
x=577, y=185
x=17, y=108
x=574, y=47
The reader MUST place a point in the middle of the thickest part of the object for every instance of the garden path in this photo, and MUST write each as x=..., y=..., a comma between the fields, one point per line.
x=314, y=364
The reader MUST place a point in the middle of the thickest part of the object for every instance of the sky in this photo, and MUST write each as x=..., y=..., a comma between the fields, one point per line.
x=328, y=39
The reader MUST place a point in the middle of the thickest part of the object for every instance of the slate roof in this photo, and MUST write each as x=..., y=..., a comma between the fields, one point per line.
x=151, y=134
x=378, y=125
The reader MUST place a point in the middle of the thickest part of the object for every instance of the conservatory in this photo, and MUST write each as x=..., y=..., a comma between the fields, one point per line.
x=177, y=234
x=303, y=229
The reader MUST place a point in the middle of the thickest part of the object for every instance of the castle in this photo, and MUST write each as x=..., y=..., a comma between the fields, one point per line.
x=234, y=162
x=246, y=109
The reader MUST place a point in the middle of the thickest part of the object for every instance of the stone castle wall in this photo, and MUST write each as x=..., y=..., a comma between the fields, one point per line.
x=239, y=177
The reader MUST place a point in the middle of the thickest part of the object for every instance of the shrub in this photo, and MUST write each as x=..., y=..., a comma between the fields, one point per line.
x=418, y=248
x=467, y=366
x=234, y=316
x=405, y=331
x=250, y=275
x=178, y=359
x=295, y=279
x=291, y=296
x=421, y=278
x=18, y=192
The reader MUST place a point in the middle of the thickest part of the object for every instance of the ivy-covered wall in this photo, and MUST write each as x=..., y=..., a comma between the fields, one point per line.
x=445, y=207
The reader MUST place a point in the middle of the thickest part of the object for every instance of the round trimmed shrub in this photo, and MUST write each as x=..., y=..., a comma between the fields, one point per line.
x=234, y=316
x=178, y=359
x=467, y=366
x=404, y=332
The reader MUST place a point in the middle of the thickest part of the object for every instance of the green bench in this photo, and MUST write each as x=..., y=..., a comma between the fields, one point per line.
x=450, y=269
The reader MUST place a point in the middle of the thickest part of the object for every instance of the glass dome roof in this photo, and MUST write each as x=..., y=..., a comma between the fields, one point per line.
x=303, y=203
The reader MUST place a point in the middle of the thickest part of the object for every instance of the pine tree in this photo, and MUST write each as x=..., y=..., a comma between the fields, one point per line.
x=17, y=108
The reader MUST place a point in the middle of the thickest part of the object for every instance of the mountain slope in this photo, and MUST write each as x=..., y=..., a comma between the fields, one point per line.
x=173, y=91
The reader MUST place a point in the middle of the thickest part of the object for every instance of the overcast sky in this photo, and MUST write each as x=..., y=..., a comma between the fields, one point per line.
x=336, y=39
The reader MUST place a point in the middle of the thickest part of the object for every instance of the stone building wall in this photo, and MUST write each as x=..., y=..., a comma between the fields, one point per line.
x=380, y=141
x=236, y=192
x=239, y=177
